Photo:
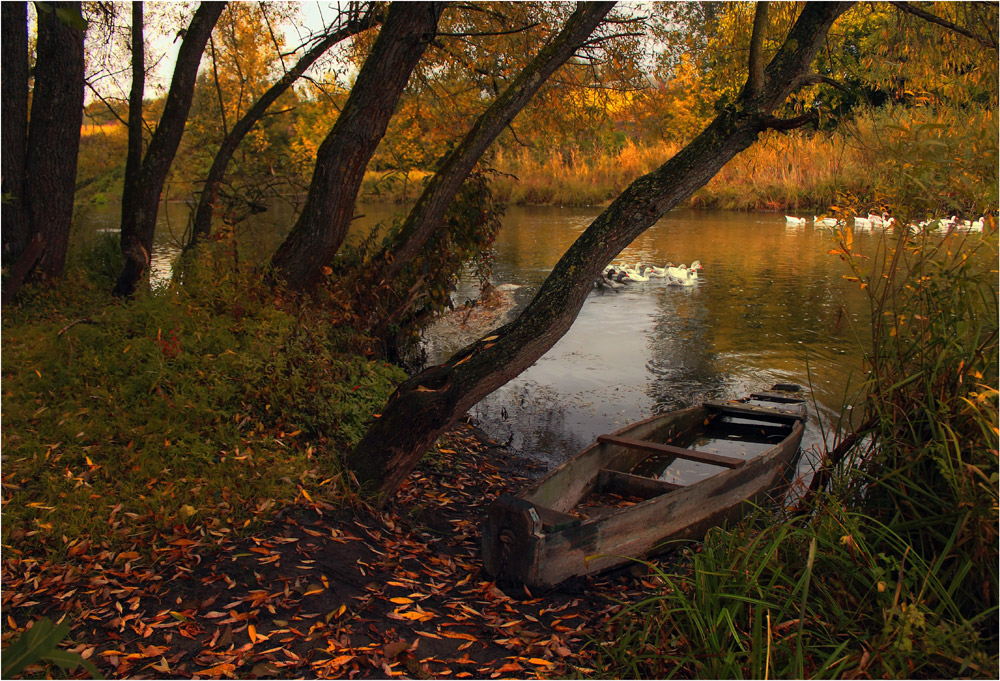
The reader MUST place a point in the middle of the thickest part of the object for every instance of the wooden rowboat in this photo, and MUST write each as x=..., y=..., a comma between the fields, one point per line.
x=621, y=497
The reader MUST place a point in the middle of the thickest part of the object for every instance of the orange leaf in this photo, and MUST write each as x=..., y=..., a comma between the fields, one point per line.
x=538, y=660
x=340, y=660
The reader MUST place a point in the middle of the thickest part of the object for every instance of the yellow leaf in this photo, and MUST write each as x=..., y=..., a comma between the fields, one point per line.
x=252, y=631
x=400, y=600
x=488, y=338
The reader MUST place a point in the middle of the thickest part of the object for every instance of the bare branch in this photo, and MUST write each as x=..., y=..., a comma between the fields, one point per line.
x=520, y=29
x=106, y=103
x=985, y=41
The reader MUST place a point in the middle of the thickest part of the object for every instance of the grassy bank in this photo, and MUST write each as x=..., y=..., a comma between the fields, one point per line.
x=188, y=409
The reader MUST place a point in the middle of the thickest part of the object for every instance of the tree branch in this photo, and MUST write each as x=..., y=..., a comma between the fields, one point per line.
x=755, y=79
x=816, y=79
x=520, y=29
x=782, y=124
x=989, y=42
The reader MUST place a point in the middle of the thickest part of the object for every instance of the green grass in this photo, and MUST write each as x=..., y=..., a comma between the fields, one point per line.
x=197, y=407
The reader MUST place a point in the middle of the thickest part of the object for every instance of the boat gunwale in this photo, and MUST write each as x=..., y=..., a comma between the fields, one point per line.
x=797, y=428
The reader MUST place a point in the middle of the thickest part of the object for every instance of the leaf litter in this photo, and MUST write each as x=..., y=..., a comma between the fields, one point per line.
x=319, y=592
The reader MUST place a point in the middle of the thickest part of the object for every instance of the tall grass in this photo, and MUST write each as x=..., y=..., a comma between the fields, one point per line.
x=892, y=572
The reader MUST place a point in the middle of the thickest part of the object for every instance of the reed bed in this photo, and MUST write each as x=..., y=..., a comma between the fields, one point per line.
x=782, y=172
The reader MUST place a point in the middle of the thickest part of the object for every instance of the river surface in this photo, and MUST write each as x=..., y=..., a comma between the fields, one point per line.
x=770, y=306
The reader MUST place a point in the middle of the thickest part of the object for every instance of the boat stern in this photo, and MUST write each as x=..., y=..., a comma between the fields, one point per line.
x=510, y=537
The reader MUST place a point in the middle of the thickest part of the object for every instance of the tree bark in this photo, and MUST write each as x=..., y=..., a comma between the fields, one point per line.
x=54, y=134
x=425, y=405
x=755, y=79
x=202, y=225
x=133, y=156
x=141, y=198
x=427, y=214
x=344, y=154
x=14, y=133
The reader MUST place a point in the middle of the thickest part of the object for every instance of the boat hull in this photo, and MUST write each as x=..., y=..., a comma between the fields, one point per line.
x=533, y=540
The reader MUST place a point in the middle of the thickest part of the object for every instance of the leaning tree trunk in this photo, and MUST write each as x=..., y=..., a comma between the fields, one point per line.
x=344, y=154
x=202, y=224
x=428, y=213
x=141, y=198
x=54, y=133
x=424, y=406
x=14, y=134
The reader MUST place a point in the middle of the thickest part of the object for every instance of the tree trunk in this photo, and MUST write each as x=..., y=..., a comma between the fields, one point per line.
x=14, y=133
x=54, y=134
x=133, y=156
x=202, y=225
x=141, y=198
x=425, y=405
x=344, y=154
x=428, y=212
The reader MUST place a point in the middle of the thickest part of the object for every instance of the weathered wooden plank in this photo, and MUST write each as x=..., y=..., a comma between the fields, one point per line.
x=753, y=411
x=679, y=452
x=555, y=520
x=618, y=482
x=776, y=397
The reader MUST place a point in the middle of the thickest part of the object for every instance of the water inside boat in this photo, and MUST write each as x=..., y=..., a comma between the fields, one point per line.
x=735, y=436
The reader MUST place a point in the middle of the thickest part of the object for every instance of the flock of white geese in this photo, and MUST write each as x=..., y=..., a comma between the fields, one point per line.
x=885, y=221
x=615, y=277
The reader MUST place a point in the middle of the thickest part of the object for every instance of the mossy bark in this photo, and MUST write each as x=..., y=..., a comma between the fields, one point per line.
x=14, y=135
x=344, y=154
x=423, y=407
x=54, y=135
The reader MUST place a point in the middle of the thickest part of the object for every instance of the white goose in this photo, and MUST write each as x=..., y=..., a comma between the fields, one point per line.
x=684, y=271
x=792, y=220
x=636, y=273
x=825, y=222
x=688, y=278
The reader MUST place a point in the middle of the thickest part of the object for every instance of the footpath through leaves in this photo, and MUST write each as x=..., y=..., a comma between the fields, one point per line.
x=325, y=593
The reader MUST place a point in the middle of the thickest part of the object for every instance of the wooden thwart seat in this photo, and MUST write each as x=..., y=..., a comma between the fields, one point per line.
x=627, y=484
x=671, y=450
x=553, y=521
x=752, y=411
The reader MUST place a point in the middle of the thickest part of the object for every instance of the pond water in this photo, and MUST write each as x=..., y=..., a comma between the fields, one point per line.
x=770, y=306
